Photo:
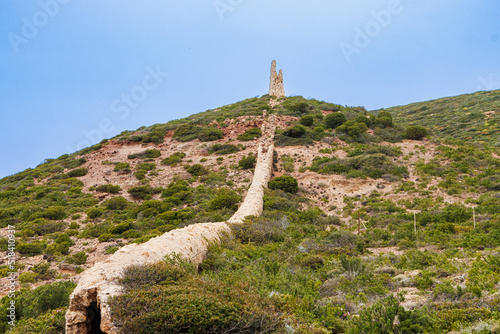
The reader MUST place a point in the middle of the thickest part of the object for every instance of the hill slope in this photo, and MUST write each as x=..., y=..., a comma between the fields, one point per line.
x=471, y=117
x=338, y=246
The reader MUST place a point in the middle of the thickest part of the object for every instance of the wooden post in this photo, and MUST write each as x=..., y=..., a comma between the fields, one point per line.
x=474, y=215
x=415, y=223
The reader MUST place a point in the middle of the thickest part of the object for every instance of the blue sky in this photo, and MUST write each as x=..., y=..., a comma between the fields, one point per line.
x=74, y=71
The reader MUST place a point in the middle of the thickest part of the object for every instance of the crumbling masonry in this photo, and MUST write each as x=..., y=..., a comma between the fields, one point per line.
x=276, y=86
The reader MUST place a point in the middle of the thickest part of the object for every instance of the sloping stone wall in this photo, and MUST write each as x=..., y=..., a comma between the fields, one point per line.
x=99, y=283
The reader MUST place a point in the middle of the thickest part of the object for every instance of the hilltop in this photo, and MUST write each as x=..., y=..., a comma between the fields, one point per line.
x=400, y=201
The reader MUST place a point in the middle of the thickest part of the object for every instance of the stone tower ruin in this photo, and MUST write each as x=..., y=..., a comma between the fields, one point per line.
x=276, y=87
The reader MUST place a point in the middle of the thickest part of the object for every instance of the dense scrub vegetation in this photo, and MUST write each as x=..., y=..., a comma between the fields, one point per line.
x=294, y=268
x=461, y=117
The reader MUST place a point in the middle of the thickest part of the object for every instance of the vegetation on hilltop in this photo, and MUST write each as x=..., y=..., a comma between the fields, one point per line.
x=473, y=118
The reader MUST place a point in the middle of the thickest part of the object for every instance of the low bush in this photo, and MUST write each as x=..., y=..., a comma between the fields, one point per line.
x=197, y=170
x=31, y=249
x=173, y=159
x=250, y=134
x=123, y=167
x=120, y=228
x=94, y=212
x=78, y=172
x=186, y=132
x=367, y=165
x=380, y=318
x=136, y=277
x=416, y=132
x=248, y=162
x=148, y=154
x=307, y=120
x=144, y=192
x=116, y=203
x=334, y=120
x=222, y=149
x=384, y=119
x=196, y=306
x=109, y=188
x=210, y=134
x=286, y=183
x=225, y=199
x=54, y=213
x=295, y=132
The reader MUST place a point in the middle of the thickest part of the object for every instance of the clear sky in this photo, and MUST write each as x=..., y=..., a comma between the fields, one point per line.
x=75, y=71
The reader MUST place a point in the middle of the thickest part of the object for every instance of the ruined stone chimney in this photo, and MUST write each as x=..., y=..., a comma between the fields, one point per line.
x=276, y=87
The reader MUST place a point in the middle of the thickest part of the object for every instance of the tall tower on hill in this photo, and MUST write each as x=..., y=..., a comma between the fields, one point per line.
x=276, y=87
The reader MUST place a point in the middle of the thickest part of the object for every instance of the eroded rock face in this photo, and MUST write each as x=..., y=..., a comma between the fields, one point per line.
x=100, y=282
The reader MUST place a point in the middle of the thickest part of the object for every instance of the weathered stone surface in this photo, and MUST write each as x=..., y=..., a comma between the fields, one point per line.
x=276, y=86
x=99, y=283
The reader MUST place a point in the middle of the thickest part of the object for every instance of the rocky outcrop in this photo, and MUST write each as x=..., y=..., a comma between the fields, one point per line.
x=276, y=86
x=99, y=283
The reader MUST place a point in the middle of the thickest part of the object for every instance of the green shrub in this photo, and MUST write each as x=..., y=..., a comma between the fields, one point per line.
x=79, y=258
x=197, y=170
x=380, y=319
x=225, y=199
x=148, y=154
x=210, y=134
x=33, y=303
x=116, y=203
x=143, y=192
x=54, y=213
x=137, y=277
x=50, y=322
x=248, y=162
x=94, y=212
x=42, y=226
x=196, y=306
x=366, y=165
x=363, y=119
x=108, y=188
x=416, y=132
x=334, y=120
x=123, y=167
x=312, y=261
x=299, y=108
x=120, y=228
x=384, y=119
x=105, y=237
x=175, y=188
x=146, y=166
x=28, y=277
x=78, y=172
x=222, y=149
x=31, y=249
x=307, y=120
x=352, y=129
x=295, y=132
x=173, y=159
x=250, y=134
x=286, y=183
x=186, y=132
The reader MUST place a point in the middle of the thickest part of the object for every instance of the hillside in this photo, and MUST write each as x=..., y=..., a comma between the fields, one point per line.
x=374, y=215
x=473, y=118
